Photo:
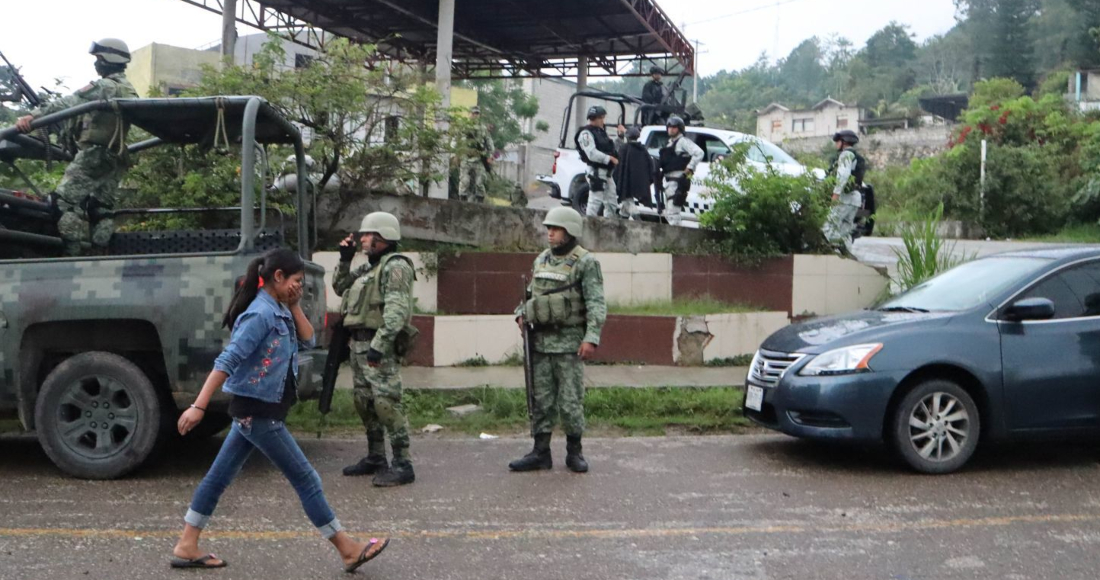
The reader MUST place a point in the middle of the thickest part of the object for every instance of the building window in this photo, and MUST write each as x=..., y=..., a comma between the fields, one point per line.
x=302, y=60
x=842, y=122
x=777, y=125
x=802, y=125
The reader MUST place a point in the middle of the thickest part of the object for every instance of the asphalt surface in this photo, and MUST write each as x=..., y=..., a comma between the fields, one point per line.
x=737, y=507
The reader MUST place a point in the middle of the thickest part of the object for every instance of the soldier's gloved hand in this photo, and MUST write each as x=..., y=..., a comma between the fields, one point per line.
x=374, y=358
x=347, y=249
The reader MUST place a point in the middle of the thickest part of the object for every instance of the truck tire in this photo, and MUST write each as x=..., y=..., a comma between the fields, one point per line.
x=579, y=199
x=97, y=416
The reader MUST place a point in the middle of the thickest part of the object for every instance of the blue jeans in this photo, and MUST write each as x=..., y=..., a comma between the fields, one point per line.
x=274, y=441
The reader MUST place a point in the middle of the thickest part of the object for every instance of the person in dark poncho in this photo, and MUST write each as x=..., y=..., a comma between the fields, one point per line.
x=634, y=174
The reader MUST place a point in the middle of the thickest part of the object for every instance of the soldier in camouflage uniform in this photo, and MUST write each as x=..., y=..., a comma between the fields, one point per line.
x=566, y=310
x=90, y=184
x=475, y=164
x=377, y=309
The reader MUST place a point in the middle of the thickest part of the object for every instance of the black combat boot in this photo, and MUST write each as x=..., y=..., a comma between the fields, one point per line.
x=400, y=473
x=374, y=462
x=573, y=458
x=368, y=465
x=538, y=458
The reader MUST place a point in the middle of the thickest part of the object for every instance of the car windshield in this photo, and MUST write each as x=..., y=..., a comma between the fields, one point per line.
x=966, y=286
x=771, y=152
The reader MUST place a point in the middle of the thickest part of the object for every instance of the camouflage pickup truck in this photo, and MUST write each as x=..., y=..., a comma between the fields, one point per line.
x=98, y=355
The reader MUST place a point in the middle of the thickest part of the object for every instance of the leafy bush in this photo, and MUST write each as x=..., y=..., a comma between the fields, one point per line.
x=761, y=214
x=926, y=254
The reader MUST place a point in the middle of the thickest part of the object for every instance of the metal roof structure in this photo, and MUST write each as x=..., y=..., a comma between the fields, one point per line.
x=492, y=38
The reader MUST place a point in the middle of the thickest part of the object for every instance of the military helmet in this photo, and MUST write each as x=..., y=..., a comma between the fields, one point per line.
x=383, y=224
x=112, y=50
x=848, y=136
x=567, y=218
x=677, y=122
x=596, y=111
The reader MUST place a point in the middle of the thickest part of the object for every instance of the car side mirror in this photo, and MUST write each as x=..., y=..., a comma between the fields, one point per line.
x=1030, y=309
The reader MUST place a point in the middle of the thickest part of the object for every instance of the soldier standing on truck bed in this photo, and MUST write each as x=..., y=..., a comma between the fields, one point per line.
x=90, y=184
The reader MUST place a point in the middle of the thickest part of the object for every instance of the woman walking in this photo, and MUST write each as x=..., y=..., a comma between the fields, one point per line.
x=259, y=369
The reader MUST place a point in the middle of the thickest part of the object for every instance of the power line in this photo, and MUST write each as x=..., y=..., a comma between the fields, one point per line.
x=740, y=12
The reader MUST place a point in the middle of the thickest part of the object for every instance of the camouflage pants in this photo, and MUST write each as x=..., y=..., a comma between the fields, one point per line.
x=94, y=172
x=472, y=181
x=377, y=393
x=839, y=225
x=604, y=202
x=559, y=390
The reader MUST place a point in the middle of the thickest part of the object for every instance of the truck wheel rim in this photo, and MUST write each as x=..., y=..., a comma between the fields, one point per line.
x=97, y=417
x=939, y=427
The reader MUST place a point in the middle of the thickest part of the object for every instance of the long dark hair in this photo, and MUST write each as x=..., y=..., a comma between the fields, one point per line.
x=265, y=266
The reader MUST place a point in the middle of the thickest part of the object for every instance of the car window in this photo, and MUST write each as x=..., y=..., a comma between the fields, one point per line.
x=764, y=152
x=712, y=146
x=968, y=285
x=1057, y=290
x=656, y=140
x=1083, y=282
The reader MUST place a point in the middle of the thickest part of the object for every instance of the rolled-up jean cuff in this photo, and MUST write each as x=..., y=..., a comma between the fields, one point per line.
x=196, y=519
x=330, y=529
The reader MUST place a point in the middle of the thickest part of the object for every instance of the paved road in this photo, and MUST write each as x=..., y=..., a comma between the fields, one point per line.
x=877, y=251
x=748, y=507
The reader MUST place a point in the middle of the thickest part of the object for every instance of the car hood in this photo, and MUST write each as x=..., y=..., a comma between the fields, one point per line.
x=820, y=334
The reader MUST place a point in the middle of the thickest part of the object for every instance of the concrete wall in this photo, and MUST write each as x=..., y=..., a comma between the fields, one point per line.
x=486, y=226
x=171, y=66
x=483, y=283
x=884, y=148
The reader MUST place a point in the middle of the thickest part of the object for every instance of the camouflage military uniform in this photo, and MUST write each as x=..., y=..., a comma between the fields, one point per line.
x=98, y=166
x=474, y=174
x=558, y=371
x=378, y=389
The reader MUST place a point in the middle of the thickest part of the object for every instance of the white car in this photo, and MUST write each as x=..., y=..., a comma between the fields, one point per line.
x=567, y=177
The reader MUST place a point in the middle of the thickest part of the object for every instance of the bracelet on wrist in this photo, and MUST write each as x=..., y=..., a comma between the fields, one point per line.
x=194, y=406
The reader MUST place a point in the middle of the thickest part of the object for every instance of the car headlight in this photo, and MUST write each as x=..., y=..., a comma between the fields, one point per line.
x=842, y=361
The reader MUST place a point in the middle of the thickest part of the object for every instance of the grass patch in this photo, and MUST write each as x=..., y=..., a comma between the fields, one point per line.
x=648, y=411
x=741, y=360
x=697, y=307
x=1072, y=234
x=477, y=361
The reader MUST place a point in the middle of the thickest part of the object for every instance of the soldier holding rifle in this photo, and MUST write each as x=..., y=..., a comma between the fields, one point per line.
x=562, y=317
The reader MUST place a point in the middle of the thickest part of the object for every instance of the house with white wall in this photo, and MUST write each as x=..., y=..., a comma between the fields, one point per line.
x=777, y=123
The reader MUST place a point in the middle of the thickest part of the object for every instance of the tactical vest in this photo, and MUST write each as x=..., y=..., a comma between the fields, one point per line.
x=856, y=181
x=671, y=161
x=604, y=144
x=364, y=301
x=104, y=127
x=556, y=297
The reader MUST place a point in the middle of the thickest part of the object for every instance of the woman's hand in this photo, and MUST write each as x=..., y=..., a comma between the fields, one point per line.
x=295, y=296
x=189, y=419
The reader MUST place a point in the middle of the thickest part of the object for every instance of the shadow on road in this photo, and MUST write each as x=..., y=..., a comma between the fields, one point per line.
x=871, y=459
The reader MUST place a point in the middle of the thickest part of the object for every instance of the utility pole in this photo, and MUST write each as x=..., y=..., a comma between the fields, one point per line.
x=229, y=30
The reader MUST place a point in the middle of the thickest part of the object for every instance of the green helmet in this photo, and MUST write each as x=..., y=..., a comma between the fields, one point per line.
x=112, y=50
x=383, y=224
x=567, y=218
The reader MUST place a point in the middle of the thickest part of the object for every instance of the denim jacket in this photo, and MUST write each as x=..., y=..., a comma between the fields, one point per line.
x=263, y=345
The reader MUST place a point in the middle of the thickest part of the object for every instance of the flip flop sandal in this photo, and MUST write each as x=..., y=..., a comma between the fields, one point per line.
x=364, y=558
x=201, y=562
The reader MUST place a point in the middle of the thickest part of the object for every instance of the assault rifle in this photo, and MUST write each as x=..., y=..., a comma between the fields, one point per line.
x=528, y=364
x=338, y=352
x=20, y=89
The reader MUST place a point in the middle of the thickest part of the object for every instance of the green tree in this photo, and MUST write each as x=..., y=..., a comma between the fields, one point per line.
x=505, y=108
x=802, y=72
x=1003, y=37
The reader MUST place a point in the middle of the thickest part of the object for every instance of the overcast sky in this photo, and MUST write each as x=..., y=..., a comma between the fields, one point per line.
x=53, y=36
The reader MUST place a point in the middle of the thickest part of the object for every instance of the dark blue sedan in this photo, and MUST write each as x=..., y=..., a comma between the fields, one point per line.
x=1003, y=347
